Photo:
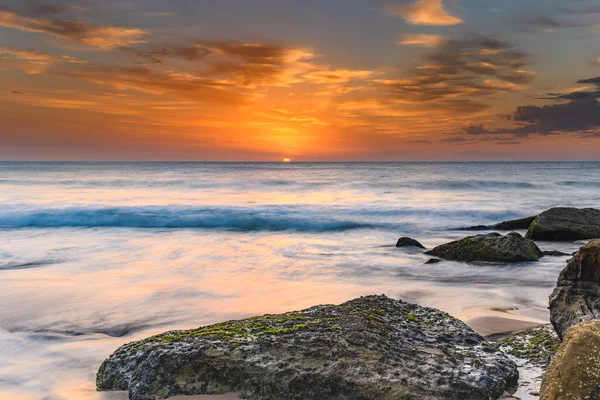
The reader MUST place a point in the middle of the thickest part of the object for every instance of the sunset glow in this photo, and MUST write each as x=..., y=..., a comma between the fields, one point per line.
x=384, y=80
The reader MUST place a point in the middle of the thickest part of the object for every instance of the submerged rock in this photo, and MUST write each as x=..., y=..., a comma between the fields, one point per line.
x=574, y=372
x=555, y=253
x=491, y=247
x=371, y=348
x=512, y=225
x=566, y=224
x=433, y=261
x=577, y=294
x=409, y=242
x=515, y=224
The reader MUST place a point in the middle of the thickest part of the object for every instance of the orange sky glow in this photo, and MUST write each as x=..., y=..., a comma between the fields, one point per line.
x=392, y=80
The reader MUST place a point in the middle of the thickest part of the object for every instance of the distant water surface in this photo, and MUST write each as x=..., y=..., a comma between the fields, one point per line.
x=94, y=255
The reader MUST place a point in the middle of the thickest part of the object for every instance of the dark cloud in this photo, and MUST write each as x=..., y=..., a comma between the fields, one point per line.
x=475, y=130
x=461, y=73
x=158, y=55
x=455, y=140
x=576, y=16
x=247, y=63
x=37, y=8
x=579, y=114
x=99, y=37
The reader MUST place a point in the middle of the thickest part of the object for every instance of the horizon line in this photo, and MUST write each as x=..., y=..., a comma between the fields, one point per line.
x=298, y=162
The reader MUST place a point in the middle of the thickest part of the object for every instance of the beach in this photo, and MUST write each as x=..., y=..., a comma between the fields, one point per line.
x=96, y=255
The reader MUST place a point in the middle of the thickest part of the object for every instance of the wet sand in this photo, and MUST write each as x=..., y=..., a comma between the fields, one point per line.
x=497, y=322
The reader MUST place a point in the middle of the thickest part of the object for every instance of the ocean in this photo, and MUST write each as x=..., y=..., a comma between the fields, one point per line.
x=94, y=255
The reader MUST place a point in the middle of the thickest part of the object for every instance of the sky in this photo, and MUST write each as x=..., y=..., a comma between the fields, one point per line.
x=328, y=80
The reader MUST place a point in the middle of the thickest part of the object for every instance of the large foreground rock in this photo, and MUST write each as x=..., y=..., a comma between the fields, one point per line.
x=574, y=372
x=491, y=247
x=566, y=224
x=371, y=348
x=577, y=294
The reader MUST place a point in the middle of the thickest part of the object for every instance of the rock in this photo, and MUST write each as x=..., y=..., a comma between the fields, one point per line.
x=433, y=261
x=491, y=247
x=371, y=348
x=574, y=372
x=577, y=294
x=555, y=253
x=566, y=224
x=408, y=242
x=515, y=224
x=535, y=346
x=532, y=351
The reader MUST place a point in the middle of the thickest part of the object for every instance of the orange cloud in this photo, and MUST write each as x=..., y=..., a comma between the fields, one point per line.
x=30, y=61
x=99, y=37
x=337, y=76
x=144, y=79
x=423, y=39
x=426, y=12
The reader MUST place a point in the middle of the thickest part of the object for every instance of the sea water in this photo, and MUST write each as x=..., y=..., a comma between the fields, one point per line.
x=94, y=255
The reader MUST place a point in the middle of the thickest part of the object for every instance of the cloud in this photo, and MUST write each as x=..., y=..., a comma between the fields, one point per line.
x=580, y=114
x=423, y=39
x=576, y=16
x=337, y=76
x=158, y=14
x=461, y=73
x=158, y=55
x=43, y=8
x=424, y=12
x=144, y=79
x=254, y=64
x=283, y=115
x=472, y=129
x=247, y=63
x=98, y=37
x=30, y=61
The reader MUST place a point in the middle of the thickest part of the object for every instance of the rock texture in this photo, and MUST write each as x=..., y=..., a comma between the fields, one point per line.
x=491, y=247
x=371, y=348
x=409, y=242
x=532, y=351
x=536, y=346
x=566, y=224
x=577, y=295
x=574, y=372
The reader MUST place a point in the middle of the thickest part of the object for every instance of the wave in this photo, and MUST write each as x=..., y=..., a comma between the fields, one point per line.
x=583, y=183
x=475, y=184
x=240, y=219
x=26, y=265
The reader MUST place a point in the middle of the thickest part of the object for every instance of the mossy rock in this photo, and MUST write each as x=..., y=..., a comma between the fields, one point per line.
x=566, y=224
x=535, y=346
x=492, y=247
x=574, y=372
x=369, y=348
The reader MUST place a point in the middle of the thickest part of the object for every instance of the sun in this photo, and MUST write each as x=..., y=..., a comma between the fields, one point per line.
x=287, y=160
